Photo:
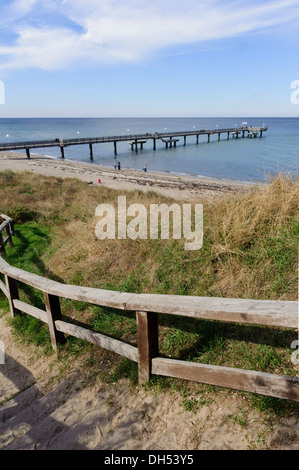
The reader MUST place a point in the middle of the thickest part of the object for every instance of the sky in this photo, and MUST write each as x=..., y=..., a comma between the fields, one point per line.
x=158, y=58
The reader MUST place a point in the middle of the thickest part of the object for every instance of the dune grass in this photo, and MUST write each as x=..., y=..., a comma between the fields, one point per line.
x=250, y=250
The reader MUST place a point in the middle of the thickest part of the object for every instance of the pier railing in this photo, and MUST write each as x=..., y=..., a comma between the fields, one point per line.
x=147, y=307
x=132, y=138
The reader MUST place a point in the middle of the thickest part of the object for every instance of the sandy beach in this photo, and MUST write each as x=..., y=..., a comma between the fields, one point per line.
x=175, y=186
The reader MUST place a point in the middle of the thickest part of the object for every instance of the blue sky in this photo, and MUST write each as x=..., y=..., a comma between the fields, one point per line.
x=112, y=58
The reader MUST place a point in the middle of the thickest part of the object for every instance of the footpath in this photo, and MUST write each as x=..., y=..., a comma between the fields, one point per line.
x=43, y=408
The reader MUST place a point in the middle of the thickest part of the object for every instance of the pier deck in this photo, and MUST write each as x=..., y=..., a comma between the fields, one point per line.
x=133, y=140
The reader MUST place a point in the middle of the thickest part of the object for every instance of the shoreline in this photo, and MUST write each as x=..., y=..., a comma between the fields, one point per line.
x=177, y=186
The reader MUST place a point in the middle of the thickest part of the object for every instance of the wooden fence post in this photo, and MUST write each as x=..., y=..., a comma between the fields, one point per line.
x=54, y=313
x=8, y=233
x=13, y=292
x=147, y=339
x=2, y=244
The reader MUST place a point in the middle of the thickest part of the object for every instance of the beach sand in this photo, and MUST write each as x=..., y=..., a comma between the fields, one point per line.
x=178, y=187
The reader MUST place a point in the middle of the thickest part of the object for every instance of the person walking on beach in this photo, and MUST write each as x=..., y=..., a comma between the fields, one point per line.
x=118, y=165
x=114, y=166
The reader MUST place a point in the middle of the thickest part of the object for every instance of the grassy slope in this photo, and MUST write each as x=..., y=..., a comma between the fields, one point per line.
x=249, y=251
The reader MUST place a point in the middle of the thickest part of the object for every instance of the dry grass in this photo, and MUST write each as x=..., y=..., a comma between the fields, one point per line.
x=249, y=250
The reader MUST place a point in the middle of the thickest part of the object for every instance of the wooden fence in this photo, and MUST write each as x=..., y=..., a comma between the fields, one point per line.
x=7, y=226
x=147, y=307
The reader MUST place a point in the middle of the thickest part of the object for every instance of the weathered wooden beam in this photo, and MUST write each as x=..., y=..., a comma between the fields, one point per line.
x=103, y=341
x=31, y=310
x=13, y=294
x=147, y=337
x=260, y=312
x=54, y=313
x=4, y=289
x=239, y=379
x=2, y=243
x=8, y=232
x=28, y=153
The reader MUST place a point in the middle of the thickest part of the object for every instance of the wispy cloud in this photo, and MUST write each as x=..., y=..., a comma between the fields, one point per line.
x=130, y=31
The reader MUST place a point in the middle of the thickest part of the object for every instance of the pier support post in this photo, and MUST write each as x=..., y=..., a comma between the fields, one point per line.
x=136, y=146
x=197, y=138
x=184, y=140
x=243, y=132
x=208, y=138
x=115, y=148
x=62, y=151
x=28, y=153
x=228, y=136
x=261, y=133
x=90, y=152
x=218, y=136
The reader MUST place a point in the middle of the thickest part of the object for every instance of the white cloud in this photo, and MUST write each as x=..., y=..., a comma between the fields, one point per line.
x=113, y=30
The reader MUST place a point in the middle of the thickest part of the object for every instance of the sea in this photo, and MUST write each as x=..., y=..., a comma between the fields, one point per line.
x=248, y=159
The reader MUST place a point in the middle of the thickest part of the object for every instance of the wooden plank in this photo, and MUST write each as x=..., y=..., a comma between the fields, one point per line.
x=103, y=341
x=262, y=312
x=6, y=217
x=147, y=334
x=106, y=298
x=9, y=221
x=239, y=379
x=53, y=314
x=33, y=311
x=2, y=243
x=8, y=233
x=13, y=294
x=4, y=289
x=3, y=225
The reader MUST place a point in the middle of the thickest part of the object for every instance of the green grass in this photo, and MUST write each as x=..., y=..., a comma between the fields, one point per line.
x=30, y=242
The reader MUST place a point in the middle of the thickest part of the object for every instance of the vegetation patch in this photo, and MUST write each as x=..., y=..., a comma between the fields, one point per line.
x=250, y=250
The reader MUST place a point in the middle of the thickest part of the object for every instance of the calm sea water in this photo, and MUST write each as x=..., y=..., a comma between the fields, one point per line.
x=242, y=159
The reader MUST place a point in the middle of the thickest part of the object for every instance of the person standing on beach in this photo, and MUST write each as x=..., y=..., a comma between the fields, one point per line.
x=118, y=165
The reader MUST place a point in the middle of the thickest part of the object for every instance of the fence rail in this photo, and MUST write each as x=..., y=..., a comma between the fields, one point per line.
x=147, y=307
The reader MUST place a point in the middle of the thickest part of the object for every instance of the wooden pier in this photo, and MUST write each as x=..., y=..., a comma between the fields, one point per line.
x=168, y=138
